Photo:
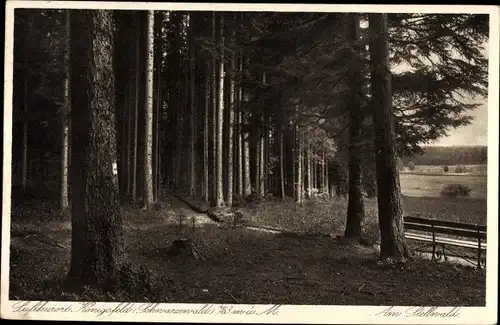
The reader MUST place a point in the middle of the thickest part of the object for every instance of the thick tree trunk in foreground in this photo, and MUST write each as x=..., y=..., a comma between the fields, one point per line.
x=390, y=210
x=97, y=237
x=64, y=202
x=355, y=206
x=148, y=120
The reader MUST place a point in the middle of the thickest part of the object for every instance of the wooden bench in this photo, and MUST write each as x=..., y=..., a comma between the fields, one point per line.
x=429, y=228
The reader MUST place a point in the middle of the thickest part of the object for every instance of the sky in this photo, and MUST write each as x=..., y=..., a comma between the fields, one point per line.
x=474, y=134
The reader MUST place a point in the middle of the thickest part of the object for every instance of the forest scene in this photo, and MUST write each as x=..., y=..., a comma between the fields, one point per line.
x=247, y=157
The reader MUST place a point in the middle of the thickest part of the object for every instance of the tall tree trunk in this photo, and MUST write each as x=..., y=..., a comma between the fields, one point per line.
x=136, y=107
x=327, y=182
x=157, y=169
x=309, y=172
x=322, y=171
x=314, y=169
x=129, y=138
x=148, y=120
x=64, y=203
x=214, y=114
x=256, y=143
x=298, y=196
x=294, y=160
x=24, y=152
x=230, y=162
x=247, y=187
x=355, y=205
x=262, y=161
x=390, y=210
x=247, y=182
x=282, y=164
x=158, y=107
x=205, y=136
x=247, y=190
x=220, y=120
x=97, y=236
x=239, y=134
x=24, y=157
x=192, y=134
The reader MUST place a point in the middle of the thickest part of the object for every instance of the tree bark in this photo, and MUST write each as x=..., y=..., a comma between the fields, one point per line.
x=97, y=236
x=247, y=190
x=206, y=186
x=256, y=143
x=64, y=203
x=327, y=181
x=24, y=153
x=214, y=114
x=129, y=137
x=282, y=164
x=158, y=107
x=309, y=179
x=239, y=135
x=148, y=121
x=355, y=205
x=314, y=170
x=298, y=196
x=192, y=134
x=136, y=107
x=262, y=161
x=220, y=120
x=390, y=210
x=230, y=163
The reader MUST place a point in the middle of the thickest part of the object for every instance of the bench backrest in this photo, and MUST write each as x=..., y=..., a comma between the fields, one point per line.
x=445, y=227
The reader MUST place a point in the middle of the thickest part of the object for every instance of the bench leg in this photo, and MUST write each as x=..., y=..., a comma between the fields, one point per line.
x=444, y=252
x=440, y=252
x=481, y=259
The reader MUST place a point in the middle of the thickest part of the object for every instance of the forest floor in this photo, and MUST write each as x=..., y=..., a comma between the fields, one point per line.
x=243, y=265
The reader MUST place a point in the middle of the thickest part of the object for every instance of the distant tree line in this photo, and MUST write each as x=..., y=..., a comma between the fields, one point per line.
x=454, y=155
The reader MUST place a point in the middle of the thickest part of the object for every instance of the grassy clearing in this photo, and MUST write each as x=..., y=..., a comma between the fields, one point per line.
x=329, y=216
x=241, y=266
x=431, y=185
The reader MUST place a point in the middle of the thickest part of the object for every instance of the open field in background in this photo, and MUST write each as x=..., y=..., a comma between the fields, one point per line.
x=431, y=185
x=439, y=170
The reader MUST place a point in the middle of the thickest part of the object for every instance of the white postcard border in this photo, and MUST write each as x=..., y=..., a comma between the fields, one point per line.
x=284, y=313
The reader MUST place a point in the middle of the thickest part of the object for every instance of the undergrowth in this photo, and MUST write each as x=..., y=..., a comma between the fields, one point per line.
x=240, y=265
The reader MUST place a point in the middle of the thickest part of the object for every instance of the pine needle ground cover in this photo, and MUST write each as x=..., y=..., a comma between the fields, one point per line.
x=243, y=266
